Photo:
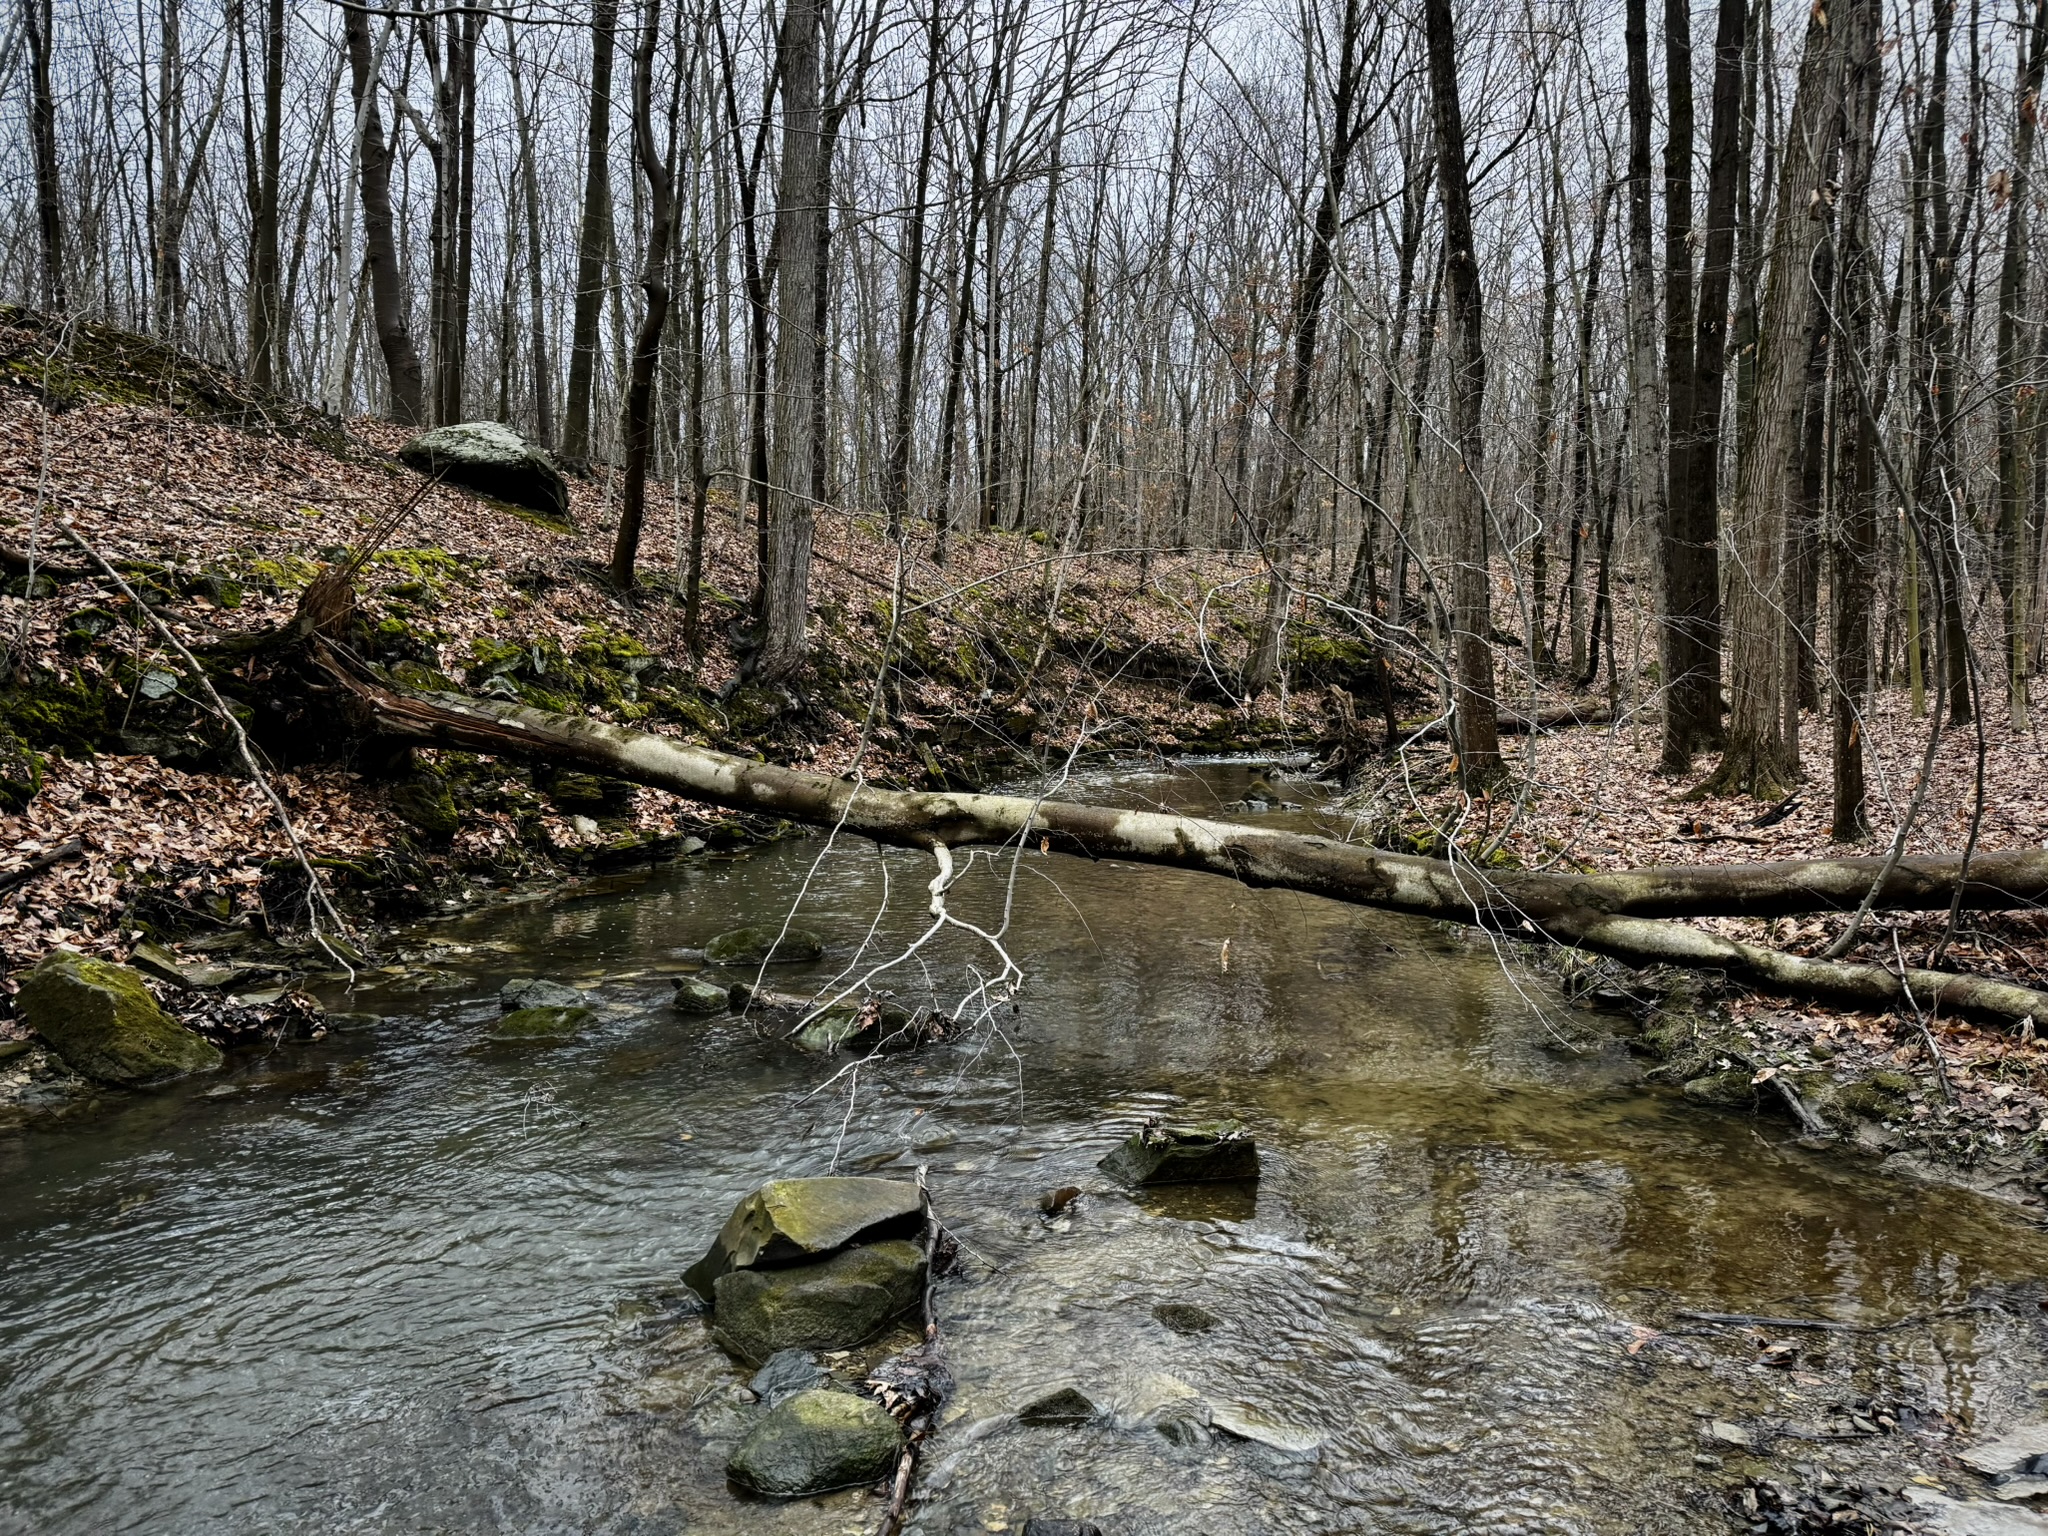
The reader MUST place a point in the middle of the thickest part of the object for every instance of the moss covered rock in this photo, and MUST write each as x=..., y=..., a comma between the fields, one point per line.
x=814, y=1442
x=696, y=995
x=762, y=945
x=21, y=773
x=795, y=1221
x=104, y=1022
x=1732, y=1089
x=490, y=457
x=542, y=1024
x=843, y=1301
x=424, y=802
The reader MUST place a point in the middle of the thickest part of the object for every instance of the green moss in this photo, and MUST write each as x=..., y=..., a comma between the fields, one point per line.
x=69, y=716
x=424, y=801
x=1882, y=1095
x=285, y=575
x=426, y=566
x=21, y=773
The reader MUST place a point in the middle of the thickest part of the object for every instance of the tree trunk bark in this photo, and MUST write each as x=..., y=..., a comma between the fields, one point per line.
x=1471, y=588
x=1758, y=759
x=591, y=239
x=39, y=20
x=380, y=245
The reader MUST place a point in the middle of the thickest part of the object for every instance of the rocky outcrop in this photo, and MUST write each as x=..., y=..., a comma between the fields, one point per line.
x=491, y=458
x=1185, y=1154
x=814, y=1442
x=103, y=1021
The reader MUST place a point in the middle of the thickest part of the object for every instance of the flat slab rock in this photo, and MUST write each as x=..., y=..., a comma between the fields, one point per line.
x=815, y=1442
x=796, y=1221
x=537, y=992
x=1959, y=1518
x=835, y=1304
x=490, y=457
x=1212, y=1153
x=2010, y=1452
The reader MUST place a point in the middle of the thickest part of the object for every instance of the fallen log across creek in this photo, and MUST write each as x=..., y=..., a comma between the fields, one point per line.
x=1627, y=915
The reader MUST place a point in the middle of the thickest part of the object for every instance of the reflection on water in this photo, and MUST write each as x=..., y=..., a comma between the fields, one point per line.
x=403, y=1280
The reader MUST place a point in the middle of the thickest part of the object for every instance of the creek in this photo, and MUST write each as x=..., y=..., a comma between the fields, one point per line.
x=401, y=1279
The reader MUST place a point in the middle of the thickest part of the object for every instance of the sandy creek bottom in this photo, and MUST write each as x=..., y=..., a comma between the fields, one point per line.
x=400, y=1280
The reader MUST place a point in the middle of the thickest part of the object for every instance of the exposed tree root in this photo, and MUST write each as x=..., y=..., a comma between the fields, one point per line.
x=1617, y=914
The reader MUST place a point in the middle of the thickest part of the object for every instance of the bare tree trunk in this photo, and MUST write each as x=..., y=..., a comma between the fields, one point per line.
x=387, y=293
x=593, y=238
x=1758, y=760
x=267, y=322
x=536, y=302
x=799, y=228
x=657, y=166
x=1646, y=402
x=2015, y=535
x=1470, y=618
x=39, y=20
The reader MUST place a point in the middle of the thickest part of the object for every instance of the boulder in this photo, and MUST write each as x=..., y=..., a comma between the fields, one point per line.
x=1185, y=1154
x=527, y=992
x=760, y=945
x=696, y=995
x=103, y=1021
x=797, y=1221
x=844, y=1301
x=541, y=1024
x=786, y=1373
x=814, y=1442
x=845, y=1027
x=489, y=457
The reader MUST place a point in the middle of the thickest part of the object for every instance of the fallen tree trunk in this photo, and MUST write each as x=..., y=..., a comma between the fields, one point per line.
x=1617, y=915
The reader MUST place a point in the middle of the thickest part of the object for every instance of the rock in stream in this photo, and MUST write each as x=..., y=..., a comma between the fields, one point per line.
x=814, y=1442
x=103, y=1021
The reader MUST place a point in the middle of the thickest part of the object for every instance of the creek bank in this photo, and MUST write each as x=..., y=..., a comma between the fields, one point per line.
x=1832, y=1078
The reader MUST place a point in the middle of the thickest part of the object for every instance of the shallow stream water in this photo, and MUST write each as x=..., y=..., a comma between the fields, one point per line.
x=403, y=1280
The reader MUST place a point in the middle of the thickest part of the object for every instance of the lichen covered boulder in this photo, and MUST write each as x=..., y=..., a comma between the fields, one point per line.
x=104, y=1022
x=1185, y=1154
x=843, y=1301
x=814, y=1442
x=762, y=945
x=798, y=1221
x=489, y=457
x=541, y=1024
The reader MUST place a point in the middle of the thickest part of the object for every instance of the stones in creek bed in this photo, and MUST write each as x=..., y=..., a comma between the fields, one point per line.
x=813, y=1264
x=764, y=944
x=1066, y=1405
x=797, y=1221
x=103, y=1021
x=1216, y=1152
x=529, y=992
x=846, y=1027
x=814, y=1442
x=786, y=1373
x=1038, y=1526
x=844, y=1301
x=2013, y=1451
x=542, y=1024
x=696, y=995
x=1183, y=1318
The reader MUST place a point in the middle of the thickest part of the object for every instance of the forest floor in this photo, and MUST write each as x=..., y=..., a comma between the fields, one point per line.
x=218, y=509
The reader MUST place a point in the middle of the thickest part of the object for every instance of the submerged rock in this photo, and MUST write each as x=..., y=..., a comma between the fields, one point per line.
x=1185, y=1154
x=2013, y=1451
x=845, y=1027
x=490, y=457
x=786, y=1373
x=814, y=1442
x=1733, y=1089
x=795, y=1221
x=103, y=1021
x=1067, y=1405
x=696, y=995
x=527, y=992
x=1242, y=1423
x=762, y=945
x=541, y=1023
x=843, y=1301
x=1185, y=1319
x=1037, y=1526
